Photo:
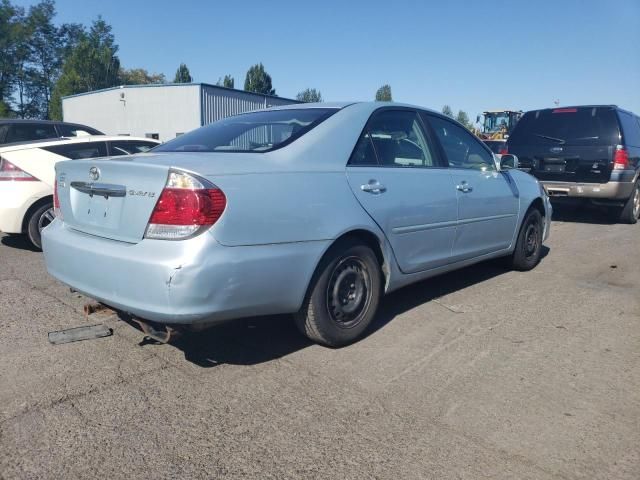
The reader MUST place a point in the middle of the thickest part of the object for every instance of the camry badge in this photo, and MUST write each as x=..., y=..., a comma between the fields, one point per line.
x=556, y=149
x=94, y=173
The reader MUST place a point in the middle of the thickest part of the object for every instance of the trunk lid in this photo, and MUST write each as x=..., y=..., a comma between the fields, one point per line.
x=109, y=198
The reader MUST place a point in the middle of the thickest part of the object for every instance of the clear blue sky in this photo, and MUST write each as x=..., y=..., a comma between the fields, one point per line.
x=472, y=55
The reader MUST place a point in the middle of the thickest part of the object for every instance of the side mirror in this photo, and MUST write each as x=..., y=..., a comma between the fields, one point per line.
x=508, y=161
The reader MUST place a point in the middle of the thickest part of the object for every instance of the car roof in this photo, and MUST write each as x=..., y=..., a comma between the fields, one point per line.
x=613, y=107
x=70, y=141
x=372, y=106
x=42, y=122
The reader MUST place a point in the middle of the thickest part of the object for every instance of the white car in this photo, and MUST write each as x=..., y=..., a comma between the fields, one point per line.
x=27, y=176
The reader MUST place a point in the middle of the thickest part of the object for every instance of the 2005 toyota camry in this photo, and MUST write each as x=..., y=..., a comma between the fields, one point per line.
x=315, y=210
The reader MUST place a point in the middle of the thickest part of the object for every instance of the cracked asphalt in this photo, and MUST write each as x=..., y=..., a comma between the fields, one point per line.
x=481, y=373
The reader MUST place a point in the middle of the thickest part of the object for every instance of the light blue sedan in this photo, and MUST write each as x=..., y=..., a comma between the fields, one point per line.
x=315, y=210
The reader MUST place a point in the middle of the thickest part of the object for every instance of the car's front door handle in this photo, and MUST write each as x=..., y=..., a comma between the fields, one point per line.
x=373, y=187
x=464, y=187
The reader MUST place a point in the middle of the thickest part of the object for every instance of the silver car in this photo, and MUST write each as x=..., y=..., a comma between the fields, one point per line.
x=315, y=210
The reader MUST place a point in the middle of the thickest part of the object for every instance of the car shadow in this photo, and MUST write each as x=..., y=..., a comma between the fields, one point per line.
x=411, y=296
x=17, y=241
x=246, y=341
x=255, y=340
x=585, y=213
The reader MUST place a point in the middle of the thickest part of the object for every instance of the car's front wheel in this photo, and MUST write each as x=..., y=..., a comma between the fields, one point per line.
x=529, y=244
x=343, y=297
x=40, y=218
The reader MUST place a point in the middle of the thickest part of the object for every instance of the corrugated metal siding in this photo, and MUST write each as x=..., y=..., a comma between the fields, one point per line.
x=219, y=103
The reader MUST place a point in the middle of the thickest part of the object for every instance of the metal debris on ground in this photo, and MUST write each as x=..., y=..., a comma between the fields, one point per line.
x=79, y=333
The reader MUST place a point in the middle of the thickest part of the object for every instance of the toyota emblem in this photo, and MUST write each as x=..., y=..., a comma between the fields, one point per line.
x=94, y=173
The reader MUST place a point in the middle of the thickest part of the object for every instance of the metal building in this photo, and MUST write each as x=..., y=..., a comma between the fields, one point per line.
x=161, y=111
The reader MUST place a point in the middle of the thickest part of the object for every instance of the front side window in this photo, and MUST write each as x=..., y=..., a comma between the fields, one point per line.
x=462, y=149
x=393, y=138
x=78, y=151
x=250, y=132
x=130, y=147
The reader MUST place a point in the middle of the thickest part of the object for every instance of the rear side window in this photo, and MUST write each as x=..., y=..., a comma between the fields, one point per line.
x=463, y=150
x=572, y=126
x=393, y=138
x=75, y=130
x=78, y=151
x=129, y=147
x=250, y=132
x=630, y=129
x=25, y=132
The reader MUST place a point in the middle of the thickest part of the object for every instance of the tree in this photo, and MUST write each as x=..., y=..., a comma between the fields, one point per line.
x=91, y=65
x=463, y=118
x=309, y=95
x=227, y=82
x=140, y=76
x=47, y=45
x=183, y=75
x=446, y=110
x=384, y=94
x=258, y=81
x=10, y=20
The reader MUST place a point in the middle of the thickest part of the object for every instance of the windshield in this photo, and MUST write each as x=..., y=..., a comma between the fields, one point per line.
x=495, y=121
x=571, y=126
x=250, y=132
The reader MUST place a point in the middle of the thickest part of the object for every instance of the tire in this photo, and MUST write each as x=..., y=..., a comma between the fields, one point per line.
x=528, y=249
x=39, y=219
x=343, y=296
x=631, y=210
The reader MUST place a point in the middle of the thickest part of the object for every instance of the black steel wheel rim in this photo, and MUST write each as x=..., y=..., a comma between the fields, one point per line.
x=531, y=239
x=349, y=292
x=45, y=219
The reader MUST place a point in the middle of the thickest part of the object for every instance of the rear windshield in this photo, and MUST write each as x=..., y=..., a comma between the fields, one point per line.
x=250, y=132
x=571, y=126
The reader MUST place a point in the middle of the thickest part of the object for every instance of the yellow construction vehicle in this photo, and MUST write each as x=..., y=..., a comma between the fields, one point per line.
x=497, y=124
x=496, y=127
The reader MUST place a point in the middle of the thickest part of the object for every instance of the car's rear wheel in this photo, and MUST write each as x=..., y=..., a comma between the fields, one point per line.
x=631, y=210
x=529, y=244
x=343, y=297
x=39, y=219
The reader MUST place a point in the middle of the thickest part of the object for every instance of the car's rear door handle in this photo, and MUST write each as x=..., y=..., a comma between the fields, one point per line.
x=464, y=187
x=373, y=187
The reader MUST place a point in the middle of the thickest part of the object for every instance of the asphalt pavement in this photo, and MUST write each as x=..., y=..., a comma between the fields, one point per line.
x=481, y=373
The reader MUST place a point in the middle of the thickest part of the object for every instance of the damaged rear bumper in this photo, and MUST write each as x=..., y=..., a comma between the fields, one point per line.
x=193, y=281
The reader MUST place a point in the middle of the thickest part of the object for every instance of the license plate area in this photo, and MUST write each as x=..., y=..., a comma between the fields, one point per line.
x=101, y=211
x=97, y=210
x=554, y=165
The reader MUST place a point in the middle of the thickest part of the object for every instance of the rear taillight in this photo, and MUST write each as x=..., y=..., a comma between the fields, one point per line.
x=10, y=173
x=504, y=150
x=187, y=206
x=620, y=158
